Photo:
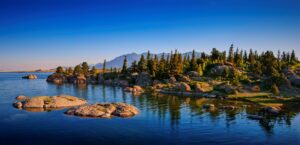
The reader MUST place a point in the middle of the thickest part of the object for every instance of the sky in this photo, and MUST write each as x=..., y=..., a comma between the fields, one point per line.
x=43, y=34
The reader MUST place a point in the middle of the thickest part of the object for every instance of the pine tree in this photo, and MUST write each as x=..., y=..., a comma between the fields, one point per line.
x=85, y=68
x=231, y=54
x=162, y=67
x=60, y=70
x=275, y=90
x=154, y=67
x=93, y=71
x=124, y=68
x=69, y=71
x=134, y=67
x=104, y=66
x=193, y=62
x=142, y=64
x=77, y=70
x=294, y=60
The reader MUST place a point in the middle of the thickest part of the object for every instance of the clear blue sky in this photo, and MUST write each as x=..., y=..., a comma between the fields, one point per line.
x=46, y=33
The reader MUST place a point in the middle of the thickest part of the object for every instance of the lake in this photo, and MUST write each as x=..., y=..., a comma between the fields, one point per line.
x=162, y=119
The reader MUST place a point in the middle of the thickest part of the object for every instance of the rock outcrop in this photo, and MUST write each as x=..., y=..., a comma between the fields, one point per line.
x=144, y=79
x=182, y=87
x=31, y=77
x=57, y=78
x=203, y=87
x=105, y=110
x=47, y=102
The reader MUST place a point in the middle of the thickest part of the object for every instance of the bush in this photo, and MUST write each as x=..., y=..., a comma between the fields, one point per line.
x=275, y=90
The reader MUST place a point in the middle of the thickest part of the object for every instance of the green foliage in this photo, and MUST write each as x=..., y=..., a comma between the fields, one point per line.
x=142, y=65
x=60, y=70
x=85, y=68
x=275, y=90
x=124, y=68
x=77, y=70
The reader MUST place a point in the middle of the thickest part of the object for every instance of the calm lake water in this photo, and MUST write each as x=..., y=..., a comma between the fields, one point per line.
x=162, y=120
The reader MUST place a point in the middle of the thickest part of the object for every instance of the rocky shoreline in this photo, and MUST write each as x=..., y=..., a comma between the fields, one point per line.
x=77, y=106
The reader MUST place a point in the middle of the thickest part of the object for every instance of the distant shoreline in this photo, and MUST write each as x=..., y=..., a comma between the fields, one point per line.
x=46, y=71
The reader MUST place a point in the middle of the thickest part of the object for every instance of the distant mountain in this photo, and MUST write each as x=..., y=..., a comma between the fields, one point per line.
x=118, y=61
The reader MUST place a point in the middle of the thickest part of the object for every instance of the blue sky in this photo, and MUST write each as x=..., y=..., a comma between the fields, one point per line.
x=45, y=33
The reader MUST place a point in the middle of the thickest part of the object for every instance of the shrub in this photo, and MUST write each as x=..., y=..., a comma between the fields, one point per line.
x=275, y=90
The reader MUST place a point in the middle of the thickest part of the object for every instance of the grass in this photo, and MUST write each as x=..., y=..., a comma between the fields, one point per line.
x=266, y=99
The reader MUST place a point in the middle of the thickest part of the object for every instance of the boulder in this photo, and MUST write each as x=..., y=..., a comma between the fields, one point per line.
x=79, y=79
x=203, y=87
x=172, y=80
x=57, y=78
x=230, y=107
x=182, y=87
x=31, y=77
x=134, y=89
x=21, y=98
x=272, y=110
x=255, y=88
x=219, y=70
x=208, y=106
x=193, y=74
x=185, y=79
x=144, y=79
x=62, y=101
x=105, y=110
x=227, y=88
x=255, y=117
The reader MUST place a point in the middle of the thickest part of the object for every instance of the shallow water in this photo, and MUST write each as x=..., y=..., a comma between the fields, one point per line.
x=162, y=120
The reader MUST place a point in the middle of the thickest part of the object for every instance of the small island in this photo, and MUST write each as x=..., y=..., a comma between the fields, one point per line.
x=268, y=80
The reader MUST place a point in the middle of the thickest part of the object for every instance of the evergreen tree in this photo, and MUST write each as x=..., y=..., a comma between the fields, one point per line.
x=85, y=68
x=124, y=68
x=294, y=60
x=134, y=67
x=104, y=66
x=77, y=70
x=94, y=71
x=60, y=70
x=275, y=90
x=69, y=71
x=231, y=54
x=193, y=62
x=162, y=67
x=142, y=64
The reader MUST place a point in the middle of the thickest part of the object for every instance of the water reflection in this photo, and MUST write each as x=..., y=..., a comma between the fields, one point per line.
x=173, y=108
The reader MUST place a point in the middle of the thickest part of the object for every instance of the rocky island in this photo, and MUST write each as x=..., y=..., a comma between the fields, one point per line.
x=264, y=79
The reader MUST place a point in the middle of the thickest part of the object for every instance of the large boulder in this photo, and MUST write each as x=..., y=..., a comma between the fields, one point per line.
x=106, y=110
x=57, y=78
x=182, y=87
x=272, y=110
x=193, y=74
x=21, y=98
x=172, y=80
x=144, y=79
x=185, y=79
x=219, y=70
x=47, y=102
x=203, y=87
x=79, y=79
x=31, y=77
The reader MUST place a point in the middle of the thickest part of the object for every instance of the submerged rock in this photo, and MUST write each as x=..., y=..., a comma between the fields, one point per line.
x=272, y=110
x=208, y=106
x=105, y=110
x=46, y=102
x=21, y=97
x=182, y=87
x=203, y=87
x=255, y=117
x=31, y=76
